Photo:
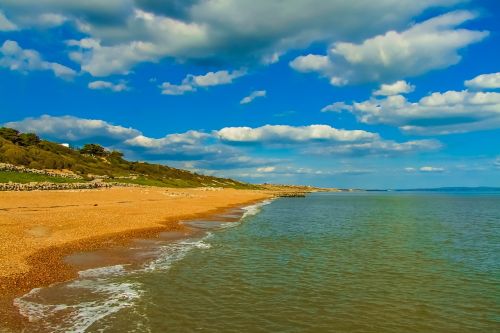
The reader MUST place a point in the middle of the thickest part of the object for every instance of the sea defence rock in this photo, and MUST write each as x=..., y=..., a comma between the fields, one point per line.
x=291, y=194
x=44, y=186
x=17, y=168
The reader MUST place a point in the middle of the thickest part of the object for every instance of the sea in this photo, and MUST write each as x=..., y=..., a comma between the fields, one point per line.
x=330, y=262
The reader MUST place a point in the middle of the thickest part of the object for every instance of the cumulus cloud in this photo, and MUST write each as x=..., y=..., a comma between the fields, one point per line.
x=6, y=24
x=15, y=58
x=168, y=88
x=192, y=82
x=74, y=129
x=378, y=148
x=324, y=140
x=396, y=88
x=484, y=81
x=431, y=169
x=312, y=63
x=337, y=107
x=130, y=32
x=496, y=163
x=437, y=113
x=425, y=169
x=187, y=146
x=255, y=94
x=426, y=46
x=106, y=85
x=266, y=169
x=291, y=134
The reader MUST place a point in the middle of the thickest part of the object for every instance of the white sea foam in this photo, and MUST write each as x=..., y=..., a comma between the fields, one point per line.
x=254, y=209
x=107, y=298
x=103, y=271
x=176, y=251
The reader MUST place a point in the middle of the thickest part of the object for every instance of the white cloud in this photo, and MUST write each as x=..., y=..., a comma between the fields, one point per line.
x=324, y=140
x=337, y=107
x=290, y=134
x=15, y=58
x=131, y=32
x=51, y=20
x=168, y=88
x=71, y=128
x=431, y=169
x=484, y=81
x=189, y=137
x=191, y=145
x=266, y=169
x=496, y=163
x=6, y=24
x=192, y=82
x=425, y=169
x=378, y=147
x=116, y=87
x=396, y=88
x=214, y=78
x=437, y=113
x=312, y=63
x=426, y=46
x=253, y=95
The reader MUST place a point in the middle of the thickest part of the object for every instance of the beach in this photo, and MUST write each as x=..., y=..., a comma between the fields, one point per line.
x=39, y=229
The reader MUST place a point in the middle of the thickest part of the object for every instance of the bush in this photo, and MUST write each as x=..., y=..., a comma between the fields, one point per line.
x=15, y=155
x=9, y=134
x=28, y=139
x=94, y=150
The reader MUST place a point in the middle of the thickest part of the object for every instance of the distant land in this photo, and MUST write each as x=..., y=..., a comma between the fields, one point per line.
x=442, y=189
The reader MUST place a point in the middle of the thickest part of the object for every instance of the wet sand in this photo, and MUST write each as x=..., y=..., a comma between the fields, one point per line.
x=38, y=230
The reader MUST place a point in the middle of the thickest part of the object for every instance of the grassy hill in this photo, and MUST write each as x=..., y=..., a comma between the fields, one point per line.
x=92, y=161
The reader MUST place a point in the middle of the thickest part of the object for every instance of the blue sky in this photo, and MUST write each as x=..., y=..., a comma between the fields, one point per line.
x=371, y=94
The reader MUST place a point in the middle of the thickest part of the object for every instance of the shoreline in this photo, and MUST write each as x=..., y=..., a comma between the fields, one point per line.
x=47, y=264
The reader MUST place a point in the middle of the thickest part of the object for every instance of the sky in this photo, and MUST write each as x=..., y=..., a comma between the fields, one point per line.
x=351, y=94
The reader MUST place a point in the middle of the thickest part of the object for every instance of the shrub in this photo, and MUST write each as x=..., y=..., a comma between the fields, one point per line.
x=9, y=134
x=28, y=139
x=94, y=150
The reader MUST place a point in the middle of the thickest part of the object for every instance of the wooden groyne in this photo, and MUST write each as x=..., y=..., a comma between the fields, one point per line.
x=291, y=195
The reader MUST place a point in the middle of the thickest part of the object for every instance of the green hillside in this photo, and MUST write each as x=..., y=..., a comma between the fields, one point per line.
x=92, y=161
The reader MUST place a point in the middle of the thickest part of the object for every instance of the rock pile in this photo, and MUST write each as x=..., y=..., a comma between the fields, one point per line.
x=44, y=186
x=17, y=168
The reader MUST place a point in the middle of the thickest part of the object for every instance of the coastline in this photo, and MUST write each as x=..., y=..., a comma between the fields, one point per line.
x=53, y=225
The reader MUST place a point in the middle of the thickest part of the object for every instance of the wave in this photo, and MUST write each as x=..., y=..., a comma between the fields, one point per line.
x=103, y=299
x=254, y=209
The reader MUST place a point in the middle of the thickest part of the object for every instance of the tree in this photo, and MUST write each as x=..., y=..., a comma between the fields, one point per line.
x=9, y=134
x=94, y=150
x=115, y=154
x=28, y=139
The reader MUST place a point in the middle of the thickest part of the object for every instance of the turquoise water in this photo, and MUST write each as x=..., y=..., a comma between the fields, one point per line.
x=348, y=262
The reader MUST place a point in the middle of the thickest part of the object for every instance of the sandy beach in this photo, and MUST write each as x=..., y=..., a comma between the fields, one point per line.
x=38, y=229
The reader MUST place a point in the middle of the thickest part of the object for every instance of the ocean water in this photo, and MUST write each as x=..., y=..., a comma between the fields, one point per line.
x=347, y=262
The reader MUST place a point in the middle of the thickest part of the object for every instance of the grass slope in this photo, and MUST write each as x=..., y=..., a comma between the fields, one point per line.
x=23, y=178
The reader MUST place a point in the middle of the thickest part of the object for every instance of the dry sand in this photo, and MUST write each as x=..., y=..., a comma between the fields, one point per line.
x=37, y=229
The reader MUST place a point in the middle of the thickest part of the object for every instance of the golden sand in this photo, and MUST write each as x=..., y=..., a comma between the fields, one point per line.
x=37, y=229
